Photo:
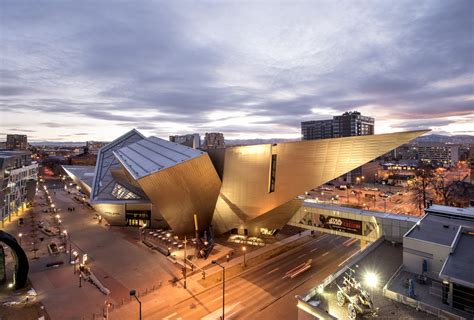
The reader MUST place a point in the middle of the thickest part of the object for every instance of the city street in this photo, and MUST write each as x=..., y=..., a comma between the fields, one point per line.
x=249, y=294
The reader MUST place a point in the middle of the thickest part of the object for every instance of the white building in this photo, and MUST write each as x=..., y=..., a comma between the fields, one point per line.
x=438, y=153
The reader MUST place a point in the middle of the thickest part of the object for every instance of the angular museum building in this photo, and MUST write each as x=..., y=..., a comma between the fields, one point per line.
x=247, y=189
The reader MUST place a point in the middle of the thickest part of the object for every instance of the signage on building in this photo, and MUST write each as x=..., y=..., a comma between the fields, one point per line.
x=338, y=224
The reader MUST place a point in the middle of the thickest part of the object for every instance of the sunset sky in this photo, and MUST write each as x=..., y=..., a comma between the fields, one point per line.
x=91, y=70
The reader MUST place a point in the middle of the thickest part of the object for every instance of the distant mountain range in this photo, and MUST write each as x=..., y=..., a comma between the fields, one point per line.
x=459, y=139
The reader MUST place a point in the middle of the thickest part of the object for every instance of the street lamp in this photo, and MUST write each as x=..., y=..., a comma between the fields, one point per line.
x=244, y=249
x=75, y=254
x=223, y=286
x=134, y=294
x=20, y=235
x=107, y=306
x=371, y=279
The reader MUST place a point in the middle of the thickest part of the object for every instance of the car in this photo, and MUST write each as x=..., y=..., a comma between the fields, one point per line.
x=374, y=189
x=327, y=188
x=384, y=195
x=342, y=187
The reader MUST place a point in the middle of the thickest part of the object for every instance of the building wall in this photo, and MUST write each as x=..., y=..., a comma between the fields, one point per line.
x=440, y=153
x=17, y=182
x=189, y=140
x=213, y=140
x=415, y=251
x=300, y=166
x=348, y=124
x=113, y=213
x=17, y=142
x=184, y=190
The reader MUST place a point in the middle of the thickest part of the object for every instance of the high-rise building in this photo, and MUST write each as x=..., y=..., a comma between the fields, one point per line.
x=213, y=140
x=18, y=176
x=189, y=140
x=17, y=142
x=346, y=125
x=352, y=124
x=317, y=129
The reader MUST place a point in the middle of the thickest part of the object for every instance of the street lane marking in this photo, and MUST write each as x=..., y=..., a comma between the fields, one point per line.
x=314, y=249
x=340, y=264
x=218, y=298
x=229, y=311
x=272, y=270
x=301, y=256
x=325, y=254
x=171, y=315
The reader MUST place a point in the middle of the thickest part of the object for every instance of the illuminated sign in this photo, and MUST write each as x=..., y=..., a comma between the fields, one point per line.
x=338, y=224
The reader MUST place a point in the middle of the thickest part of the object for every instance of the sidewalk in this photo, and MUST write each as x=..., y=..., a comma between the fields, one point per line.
x=177, y=294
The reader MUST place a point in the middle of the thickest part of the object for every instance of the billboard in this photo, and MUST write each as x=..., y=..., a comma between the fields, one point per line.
x=338, y=224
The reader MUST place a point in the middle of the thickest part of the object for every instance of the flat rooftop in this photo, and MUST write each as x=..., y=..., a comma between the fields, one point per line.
x=439, y=229
x=153, y=154
x=83, y=173
x=458, y=266
x=436, y=208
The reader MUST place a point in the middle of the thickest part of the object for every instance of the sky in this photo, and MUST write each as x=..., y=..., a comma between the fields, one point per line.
x=92, y=70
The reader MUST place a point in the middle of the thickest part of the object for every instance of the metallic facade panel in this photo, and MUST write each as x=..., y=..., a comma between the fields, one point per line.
x=153, y=154
x=103, y=183
x=300, y=166
x=183, y=190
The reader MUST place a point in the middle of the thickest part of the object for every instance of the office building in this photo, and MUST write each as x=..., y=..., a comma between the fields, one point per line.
x=18, y=177
x=189, y=140
x=213, y=140
x=317, y=129
x=348, y=124
x=246, y=189
x=438, y=153
x=17, y=142
x=351, y=124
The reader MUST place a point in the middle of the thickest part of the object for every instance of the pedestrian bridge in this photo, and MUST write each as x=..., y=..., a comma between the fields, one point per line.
x=350, y=222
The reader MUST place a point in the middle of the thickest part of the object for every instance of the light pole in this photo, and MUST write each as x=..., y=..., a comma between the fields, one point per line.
x=223, y=286
x=20, y=235
x=75, y=260
x=107, y=306
x=134, y=293
x=244, y=249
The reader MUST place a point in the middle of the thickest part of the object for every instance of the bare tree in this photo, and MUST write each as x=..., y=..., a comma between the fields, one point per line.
x=420, y=188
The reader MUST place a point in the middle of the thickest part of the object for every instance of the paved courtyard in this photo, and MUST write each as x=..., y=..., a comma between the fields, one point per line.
x=115, y=254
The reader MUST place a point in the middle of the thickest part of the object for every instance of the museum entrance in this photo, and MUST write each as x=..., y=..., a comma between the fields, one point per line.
x=138, y=217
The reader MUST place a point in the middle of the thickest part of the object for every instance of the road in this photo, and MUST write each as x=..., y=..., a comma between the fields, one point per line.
x=401, y=204
x=260, y=287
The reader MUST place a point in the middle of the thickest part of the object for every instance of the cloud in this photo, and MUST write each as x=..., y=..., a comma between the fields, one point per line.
x=166, y=68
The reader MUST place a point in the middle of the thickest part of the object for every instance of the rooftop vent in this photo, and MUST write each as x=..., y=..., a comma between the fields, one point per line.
x=445, y=226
